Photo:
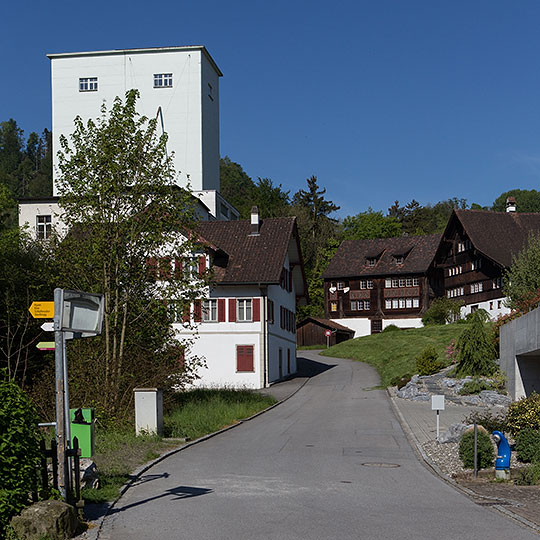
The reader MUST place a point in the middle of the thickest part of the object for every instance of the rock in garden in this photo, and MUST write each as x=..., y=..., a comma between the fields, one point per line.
x=453, y=433
x=89, y=474
x=54, y=520
x=421, y=396
x=448, y=382
x=414, y=378
x=408, y=391
x=490, y=397
x=471, y=400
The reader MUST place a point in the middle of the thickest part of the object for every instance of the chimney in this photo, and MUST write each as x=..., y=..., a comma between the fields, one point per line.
x=510, y=204
x=255, y=221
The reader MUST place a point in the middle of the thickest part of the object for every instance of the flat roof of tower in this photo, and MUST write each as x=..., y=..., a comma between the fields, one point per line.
x=113, y=52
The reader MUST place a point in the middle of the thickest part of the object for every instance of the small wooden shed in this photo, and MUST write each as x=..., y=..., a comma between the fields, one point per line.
x=312, y=331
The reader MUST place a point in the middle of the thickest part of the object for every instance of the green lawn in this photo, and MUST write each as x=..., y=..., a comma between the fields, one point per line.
x=393, y=354
x=192, y=414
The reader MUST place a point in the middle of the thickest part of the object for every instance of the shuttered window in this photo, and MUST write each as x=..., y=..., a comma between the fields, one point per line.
x=244, y=358
x=221, y=310
x=232, y=309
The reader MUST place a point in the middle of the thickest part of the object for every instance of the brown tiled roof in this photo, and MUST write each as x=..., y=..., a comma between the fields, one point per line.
x=327, y=323
x=350, y=259
x=251, y=259
x=498, y=235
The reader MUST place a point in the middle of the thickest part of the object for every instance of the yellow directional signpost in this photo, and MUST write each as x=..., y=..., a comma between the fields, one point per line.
x=76, y=314
x=42, y=310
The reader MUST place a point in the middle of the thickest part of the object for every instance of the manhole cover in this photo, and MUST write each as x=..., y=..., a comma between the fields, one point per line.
x=381, y=465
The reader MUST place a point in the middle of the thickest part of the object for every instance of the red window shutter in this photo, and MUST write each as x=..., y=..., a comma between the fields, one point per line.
x=202, y=265
x=256, y=309
x=165, y=268
x=151, y=264
x=178, y=268
x=221, y=309
x=186, y=316
x=197, y=311
x=244, y=358
x=232, y=309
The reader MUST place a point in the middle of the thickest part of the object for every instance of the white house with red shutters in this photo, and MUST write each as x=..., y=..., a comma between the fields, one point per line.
x=246, y=328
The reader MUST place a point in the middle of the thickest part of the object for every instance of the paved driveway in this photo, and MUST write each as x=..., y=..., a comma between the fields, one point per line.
x=330, y=463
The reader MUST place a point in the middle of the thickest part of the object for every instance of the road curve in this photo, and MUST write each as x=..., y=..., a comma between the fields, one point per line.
x=331, y=462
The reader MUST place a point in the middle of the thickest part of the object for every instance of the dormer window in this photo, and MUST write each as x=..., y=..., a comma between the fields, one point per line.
x=371, y=261
x=398, y=259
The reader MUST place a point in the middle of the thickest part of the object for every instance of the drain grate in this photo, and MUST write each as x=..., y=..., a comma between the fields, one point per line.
x=381, y=465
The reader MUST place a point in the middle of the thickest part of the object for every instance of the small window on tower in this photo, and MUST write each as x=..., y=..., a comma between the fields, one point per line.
x=162, y=80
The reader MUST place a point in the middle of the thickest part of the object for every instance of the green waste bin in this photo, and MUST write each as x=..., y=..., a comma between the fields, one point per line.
x=82, y=427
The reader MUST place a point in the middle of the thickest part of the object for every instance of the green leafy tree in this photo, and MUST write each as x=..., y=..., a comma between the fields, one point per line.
x=271, y=200
x=370, y=224
x=320, y=236
x=527, y=200
x=522, y=280
x=476, y=350
x=19, y=450
x=442, y=310
x=128, y=225
x=236, y=186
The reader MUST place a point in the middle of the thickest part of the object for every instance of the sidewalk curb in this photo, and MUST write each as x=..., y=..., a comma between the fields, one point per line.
x=424, y=459
x=94, y=532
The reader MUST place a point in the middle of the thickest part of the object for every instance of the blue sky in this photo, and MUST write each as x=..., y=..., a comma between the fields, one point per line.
x=381, y=100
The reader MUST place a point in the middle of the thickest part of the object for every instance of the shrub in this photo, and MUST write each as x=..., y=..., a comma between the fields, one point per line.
x=19, y=450
x=441, y=311
x=486, y=454
x=428, y=361
x=391, y=328
x=528, y=445
x=529, y=476
x=474, y=387
x=476, y=349
x=491, y=422
x=524, y=413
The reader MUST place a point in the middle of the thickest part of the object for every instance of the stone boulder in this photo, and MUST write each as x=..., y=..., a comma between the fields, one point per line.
x=89, y=474
x=54, y=520
x=490, y=397
x=409, y=391
x=453, y=433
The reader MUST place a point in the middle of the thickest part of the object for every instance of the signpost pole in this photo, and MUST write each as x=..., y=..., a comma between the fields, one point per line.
x=60, y=395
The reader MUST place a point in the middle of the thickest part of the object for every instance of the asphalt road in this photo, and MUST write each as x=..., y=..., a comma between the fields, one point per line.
x=329, y=463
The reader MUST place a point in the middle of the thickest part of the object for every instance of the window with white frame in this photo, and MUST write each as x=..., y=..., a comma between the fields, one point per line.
x=363, y=284
x=210, y=310
x=402, y=282
x=340, y=285
x=359, y=305
x=243, y=309
x=415, y=281
x=43, y=227
x=162, y=80
x=497, y=283
x=371, y=261
x=88, y=84
x=369, y=284
x=476, y=287
x=388, y=283
x=398, y=259
x=401, y=303
x=395, y=282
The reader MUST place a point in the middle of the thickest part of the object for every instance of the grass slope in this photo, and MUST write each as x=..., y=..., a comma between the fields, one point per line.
x=394, y=354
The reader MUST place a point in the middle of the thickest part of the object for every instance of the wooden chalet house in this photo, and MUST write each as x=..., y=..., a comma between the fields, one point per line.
x=476, y=249
x=370, y=284
x=246, y=327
